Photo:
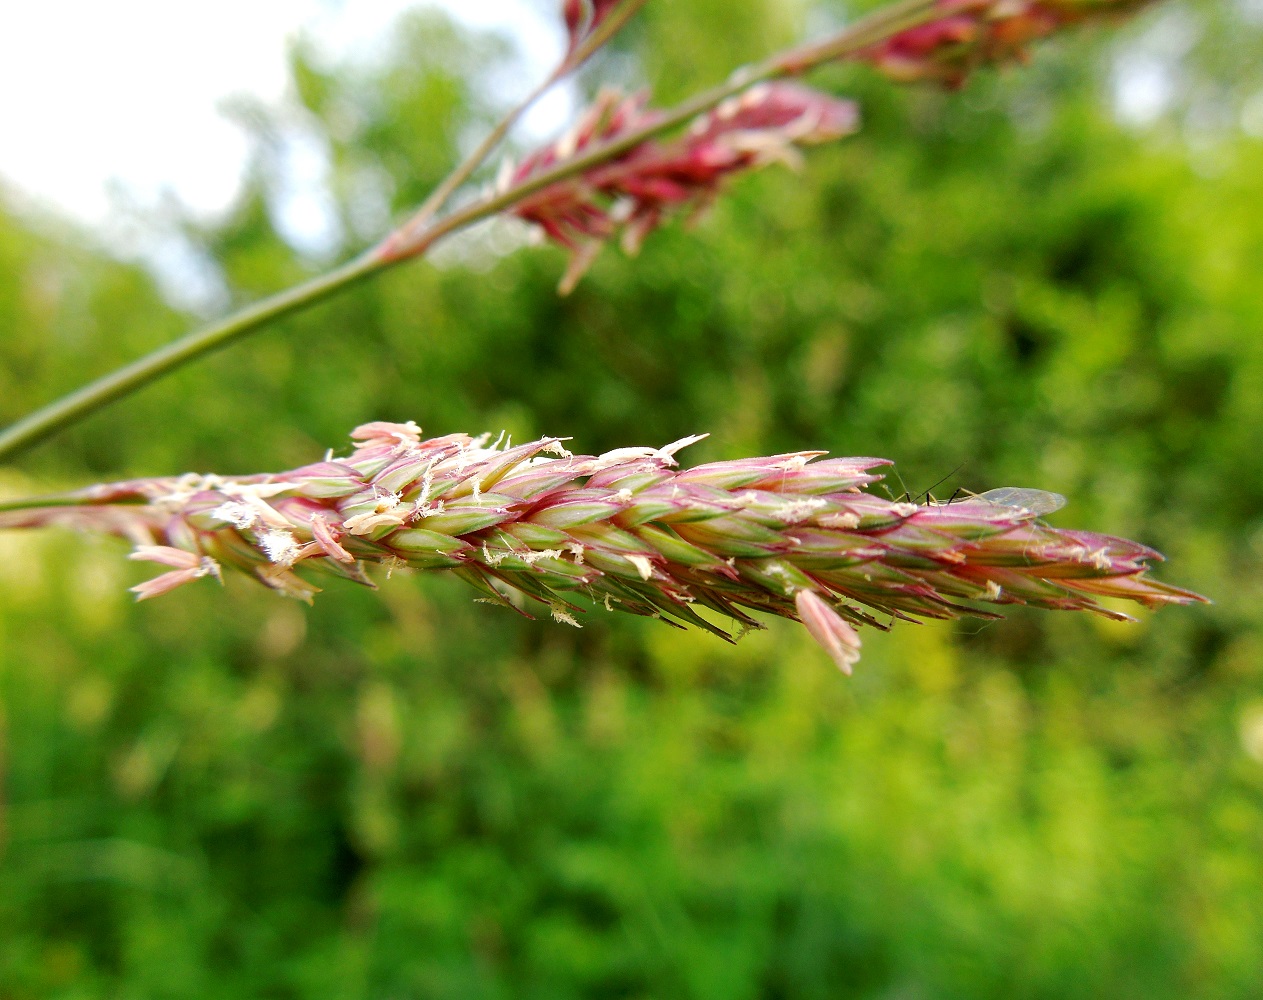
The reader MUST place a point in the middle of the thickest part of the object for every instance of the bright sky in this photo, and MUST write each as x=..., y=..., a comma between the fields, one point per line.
x=125, y=93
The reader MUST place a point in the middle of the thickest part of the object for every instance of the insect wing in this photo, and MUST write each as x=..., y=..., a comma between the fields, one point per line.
x=1037, y=502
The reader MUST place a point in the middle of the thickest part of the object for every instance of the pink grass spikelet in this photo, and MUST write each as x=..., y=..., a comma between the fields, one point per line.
x=793, y=535
x=188, y=567
x=632, y=194
x=974, y=33
x=583, y=17
x=835, y=635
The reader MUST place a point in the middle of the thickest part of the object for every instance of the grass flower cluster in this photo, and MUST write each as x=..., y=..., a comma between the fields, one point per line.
x=793, y=535
x=974, y=33
x=633, y=194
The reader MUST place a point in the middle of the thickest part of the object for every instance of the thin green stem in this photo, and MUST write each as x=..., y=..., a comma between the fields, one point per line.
x=74, y=407
x=56, y=500
x=438, y=197
x=124, y=381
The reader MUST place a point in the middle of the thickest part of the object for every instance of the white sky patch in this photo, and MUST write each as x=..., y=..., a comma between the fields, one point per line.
x=108, y=105
x=1147, y=71
x=126, y=92
x=1143, y=88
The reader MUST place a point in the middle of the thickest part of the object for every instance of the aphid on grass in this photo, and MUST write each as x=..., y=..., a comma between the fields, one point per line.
x=1037, y=502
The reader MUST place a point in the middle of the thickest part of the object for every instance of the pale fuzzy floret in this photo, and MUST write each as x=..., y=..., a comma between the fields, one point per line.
x=362, y=524
x=391, y=433
x=253, y=497
x=643, y=566
x=674, y=447
x=166, y=555
x=287, y=582
x=554, y=447
x=175, y=495
x=427, y=484
x=420, y=509
x=188, y=567
x=236, y=513
x=799, y=510
x=279, y=545
x=835, y=635
x=328, y=541
x=563, y=617
x=621, y=456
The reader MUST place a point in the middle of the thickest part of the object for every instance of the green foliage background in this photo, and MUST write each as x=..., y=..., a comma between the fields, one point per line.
x=404, y=794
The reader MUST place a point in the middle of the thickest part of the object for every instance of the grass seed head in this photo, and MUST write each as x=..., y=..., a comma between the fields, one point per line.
x=793, y=535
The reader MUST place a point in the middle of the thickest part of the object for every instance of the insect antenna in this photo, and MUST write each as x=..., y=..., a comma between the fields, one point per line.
x=904, y=497
x=928, y=495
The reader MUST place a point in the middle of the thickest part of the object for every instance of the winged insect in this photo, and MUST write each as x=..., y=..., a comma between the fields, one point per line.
x=1037, y=502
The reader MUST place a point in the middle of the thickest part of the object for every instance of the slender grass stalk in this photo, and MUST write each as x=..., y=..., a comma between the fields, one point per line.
x=72, y=408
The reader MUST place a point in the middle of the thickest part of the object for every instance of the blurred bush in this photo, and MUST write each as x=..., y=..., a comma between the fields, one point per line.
x=404, y=794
